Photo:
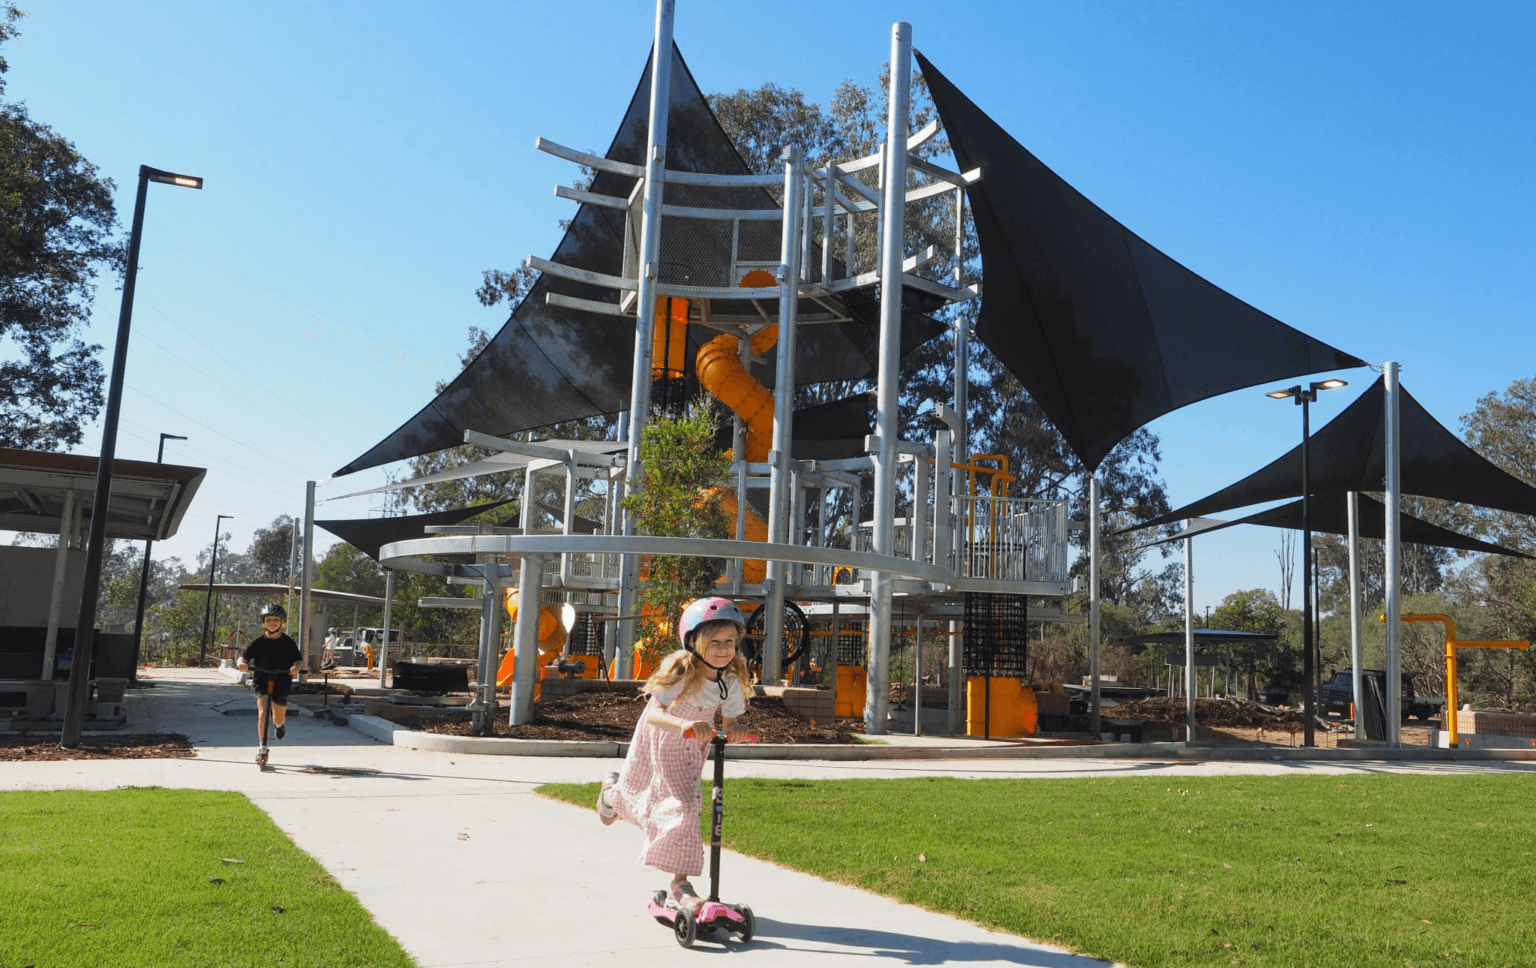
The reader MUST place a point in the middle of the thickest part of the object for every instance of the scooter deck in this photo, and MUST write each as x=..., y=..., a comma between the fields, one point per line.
x=711, y=914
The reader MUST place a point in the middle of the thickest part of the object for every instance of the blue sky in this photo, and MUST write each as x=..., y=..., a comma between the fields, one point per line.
x=1361, y=171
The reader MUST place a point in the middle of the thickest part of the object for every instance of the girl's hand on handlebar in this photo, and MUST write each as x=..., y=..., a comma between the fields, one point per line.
x=701, y=731
x=738, y=735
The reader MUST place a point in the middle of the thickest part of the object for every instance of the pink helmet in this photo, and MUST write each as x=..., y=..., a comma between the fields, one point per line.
x=708, y=610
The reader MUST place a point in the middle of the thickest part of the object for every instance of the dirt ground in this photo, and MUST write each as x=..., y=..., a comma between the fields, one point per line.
x=1241, y=722
x=612, y=717
x=118, y=746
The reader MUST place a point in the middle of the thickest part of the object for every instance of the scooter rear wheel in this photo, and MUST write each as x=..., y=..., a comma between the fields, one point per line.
x=685, y=928
x=748, y=923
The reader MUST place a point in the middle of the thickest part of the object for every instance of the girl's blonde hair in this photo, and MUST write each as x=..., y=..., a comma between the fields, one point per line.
x=686, y=667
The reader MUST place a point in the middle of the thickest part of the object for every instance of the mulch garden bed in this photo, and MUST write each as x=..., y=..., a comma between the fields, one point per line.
x=611, y=717
x=123, y=746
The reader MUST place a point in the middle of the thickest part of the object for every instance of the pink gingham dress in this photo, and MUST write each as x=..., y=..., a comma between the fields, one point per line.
x=658, y=789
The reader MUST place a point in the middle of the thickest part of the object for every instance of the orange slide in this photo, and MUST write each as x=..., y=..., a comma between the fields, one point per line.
x=721, y=372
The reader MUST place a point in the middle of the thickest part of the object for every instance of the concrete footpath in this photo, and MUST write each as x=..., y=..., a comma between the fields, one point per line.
x=455, y=856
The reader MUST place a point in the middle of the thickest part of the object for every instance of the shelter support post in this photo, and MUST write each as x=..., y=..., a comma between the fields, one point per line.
x=1391, y=409
x=892, y=238
x=525, y=637
x=1189, y=637
x=1093, y=602
x=306, y=572
x=1356, y=645
x=69, y=523
x=389, y=601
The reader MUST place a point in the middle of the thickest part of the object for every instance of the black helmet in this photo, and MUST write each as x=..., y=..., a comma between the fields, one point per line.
x=275, y=609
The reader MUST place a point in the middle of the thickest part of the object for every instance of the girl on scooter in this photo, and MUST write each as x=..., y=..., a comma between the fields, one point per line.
x=658, y=789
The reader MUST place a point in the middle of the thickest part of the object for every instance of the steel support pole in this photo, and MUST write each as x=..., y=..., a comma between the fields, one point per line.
x=779, y=497
x=645, y=315
x=1309, y=690
x=525, y=637
x=917, y=675
x=483, y=710
x=389, y=602
x=1093, y=603
x=306, y=569
x=1189, y=636
x=1392, y=406
x=68, y=525
x=892, y=238
x=1356, y=645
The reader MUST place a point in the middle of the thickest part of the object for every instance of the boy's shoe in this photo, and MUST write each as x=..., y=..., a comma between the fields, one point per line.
x=605, y=811
x=281, y=730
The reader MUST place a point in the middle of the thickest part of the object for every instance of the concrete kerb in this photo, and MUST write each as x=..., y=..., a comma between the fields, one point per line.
x=396, y=735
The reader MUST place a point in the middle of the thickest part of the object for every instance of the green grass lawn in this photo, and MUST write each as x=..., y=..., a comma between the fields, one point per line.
x=1328, y=871
x=152, y=877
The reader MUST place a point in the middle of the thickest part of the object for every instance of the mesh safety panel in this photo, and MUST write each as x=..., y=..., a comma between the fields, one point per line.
x=996, y=635
x=852, y=638
x=1105, y=331
x=587, y=634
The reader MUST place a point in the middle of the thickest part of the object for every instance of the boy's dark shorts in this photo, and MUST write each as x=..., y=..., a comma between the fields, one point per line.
x=281, y=681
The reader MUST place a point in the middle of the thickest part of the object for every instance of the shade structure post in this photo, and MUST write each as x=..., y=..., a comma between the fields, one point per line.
x=1356, y=644
x=1094, y=627
x=645, y=314
x=482, y=710
x=780, y=483
x=306, y=572
x=1309, y=690
x=525, y=637
x=389, y=602
x=1391, y=410
x=1189, y=636
x=892, y=236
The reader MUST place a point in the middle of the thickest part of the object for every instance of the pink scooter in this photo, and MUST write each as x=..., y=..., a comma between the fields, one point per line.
x=686, y=922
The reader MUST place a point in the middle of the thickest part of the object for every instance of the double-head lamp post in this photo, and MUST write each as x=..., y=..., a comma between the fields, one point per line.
x=1304, y=397
x=213, y=562
x=85, y=622
x=138, y=621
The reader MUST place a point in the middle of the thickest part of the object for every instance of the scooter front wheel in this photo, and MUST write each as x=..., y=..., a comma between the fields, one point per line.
x=748, y=923
x=685, y=928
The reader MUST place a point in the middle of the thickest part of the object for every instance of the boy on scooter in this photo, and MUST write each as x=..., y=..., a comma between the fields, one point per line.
x=272, y=658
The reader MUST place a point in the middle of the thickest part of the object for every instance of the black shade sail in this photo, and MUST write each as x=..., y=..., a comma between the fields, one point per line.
x=368, y=535
x=1330, y=515
x=1349, y=454
x=550, y=364
x=1106, y=332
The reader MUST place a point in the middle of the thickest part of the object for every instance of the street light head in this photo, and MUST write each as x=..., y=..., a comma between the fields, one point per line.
x=1283, y=394
x=172, y=437
x=1329, y=385
x=171, y=178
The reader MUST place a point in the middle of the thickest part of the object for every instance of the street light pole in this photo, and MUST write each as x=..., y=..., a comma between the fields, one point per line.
x=138, y=621
x=90, y=589
x=213, y=561
x=1304, y=398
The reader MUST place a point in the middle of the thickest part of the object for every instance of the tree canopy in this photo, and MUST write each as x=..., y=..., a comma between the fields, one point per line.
x=58, y=229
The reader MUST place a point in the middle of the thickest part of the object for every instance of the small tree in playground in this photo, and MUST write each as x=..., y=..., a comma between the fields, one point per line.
x=682, y=496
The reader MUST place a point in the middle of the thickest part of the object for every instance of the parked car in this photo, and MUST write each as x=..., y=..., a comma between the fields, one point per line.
x=1339, y=693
